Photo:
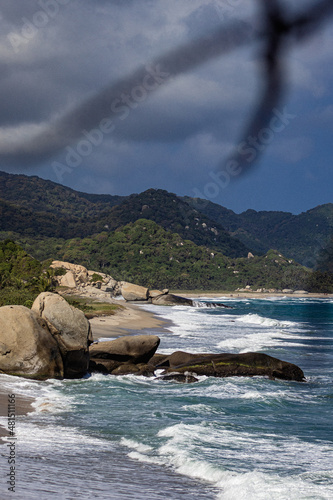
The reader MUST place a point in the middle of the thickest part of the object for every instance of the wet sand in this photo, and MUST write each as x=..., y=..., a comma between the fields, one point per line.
x=22, y=407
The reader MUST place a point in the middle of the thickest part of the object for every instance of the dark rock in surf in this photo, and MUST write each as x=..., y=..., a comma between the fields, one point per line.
x=121, y=355
x=183, y=378
x=171, y=300
x=216, y=304
x=130, y=348
x=248, y=364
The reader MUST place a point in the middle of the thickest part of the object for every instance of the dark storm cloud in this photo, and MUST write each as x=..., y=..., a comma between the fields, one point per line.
x=120, y=98
x=60, y=81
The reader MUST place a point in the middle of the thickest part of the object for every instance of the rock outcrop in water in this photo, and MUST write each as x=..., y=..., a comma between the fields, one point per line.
x=185, y=366
x=129, y=354
x=247, y=364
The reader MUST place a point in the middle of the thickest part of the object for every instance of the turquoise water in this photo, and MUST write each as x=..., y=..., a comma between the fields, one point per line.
x=236, y=438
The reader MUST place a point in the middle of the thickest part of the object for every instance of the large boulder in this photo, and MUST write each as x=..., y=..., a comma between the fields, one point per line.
x=134, y=349
x=70, y=328
x=155, y=293
x=171, y=300
x=68, y=280
x=27, y=347
x=132, y=292
x=75, y=273
x=180, y=358
x=229, y=365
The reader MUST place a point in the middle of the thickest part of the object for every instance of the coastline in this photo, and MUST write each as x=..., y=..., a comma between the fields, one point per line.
x=133, y=317
x=129, y=321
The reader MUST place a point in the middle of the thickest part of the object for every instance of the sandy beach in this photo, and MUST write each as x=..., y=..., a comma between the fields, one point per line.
x=127, y=321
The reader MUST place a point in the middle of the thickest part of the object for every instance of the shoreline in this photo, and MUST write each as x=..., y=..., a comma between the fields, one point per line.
x=252, y=295
x=133, y=318
x=23, y=406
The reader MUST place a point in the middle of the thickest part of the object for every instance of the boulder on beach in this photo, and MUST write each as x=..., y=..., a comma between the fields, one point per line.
x=171, y=300
x=27, y=347
x=132, y=292
x=70, y=328
x=229, y=365
x=128, y=349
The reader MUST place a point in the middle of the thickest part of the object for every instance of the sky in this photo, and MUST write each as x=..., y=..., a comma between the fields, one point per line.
x=119, y=96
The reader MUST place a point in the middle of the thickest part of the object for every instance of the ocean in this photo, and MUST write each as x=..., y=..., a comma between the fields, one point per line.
x=128, y=437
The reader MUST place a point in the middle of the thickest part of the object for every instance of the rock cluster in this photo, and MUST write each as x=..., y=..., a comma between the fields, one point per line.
x=91, y=284
x=133, y=293
x=79, y=278
x=27, y=347
x=229, y=365
x=136, y=355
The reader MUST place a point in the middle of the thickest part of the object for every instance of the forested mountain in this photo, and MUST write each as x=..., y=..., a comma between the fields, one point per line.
x=302, y=237
x=41, y=214
x=34, y=207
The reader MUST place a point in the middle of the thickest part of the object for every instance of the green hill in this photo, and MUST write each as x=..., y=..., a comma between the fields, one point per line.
x=170, y=212
x=145, y=253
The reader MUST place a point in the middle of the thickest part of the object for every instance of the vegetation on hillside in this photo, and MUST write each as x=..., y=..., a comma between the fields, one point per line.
x=22, y=277
x=40, y=195
x=37, y=211
x=34, y=207
x=321, y=280
x=93, y=309
x=144, y=253
x=172, y=213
